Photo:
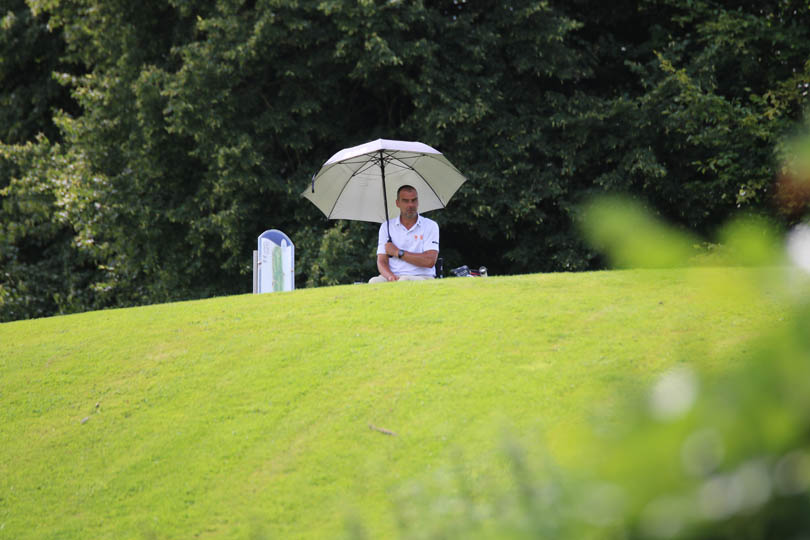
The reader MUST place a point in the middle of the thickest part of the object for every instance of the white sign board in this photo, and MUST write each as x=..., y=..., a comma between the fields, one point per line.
x=276, y=262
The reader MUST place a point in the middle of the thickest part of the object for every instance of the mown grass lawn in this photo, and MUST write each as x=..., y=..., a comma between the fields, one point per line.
x=249, y=416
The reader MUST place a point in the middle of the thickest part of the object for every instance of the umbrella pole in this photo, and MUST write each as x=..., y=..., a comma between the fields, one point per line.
x=385, y=195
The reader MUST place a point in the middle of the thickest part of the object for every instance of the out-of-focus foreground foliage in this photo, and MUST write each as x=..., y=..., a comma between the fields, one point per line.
x=146, y=145
x=696, y=453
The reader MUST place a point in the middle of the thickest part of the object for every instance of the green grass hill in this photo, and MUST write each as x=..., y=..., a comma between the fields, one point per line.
x=305, y=414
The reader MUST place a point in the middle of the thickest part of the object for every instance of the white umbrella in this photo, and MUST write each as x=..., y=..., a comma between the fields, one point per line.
x=360, y=183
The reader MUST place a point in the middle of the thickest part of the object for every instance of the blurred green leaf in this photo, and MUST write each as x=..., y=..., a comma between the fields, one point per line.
x=752, y=241
x=632, y=238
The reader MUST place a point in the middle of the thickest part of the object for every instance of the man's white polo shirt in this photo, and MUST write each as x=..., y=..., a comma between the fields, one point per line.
x=423, y=236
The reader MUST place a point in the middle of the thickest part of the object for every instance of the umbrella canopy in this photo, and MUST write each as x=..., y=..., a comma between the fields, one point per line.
x=360, y=183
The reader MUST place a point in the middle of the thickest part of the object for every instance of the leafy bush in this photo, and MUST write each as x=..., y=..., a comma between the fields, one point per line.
x=347, y=254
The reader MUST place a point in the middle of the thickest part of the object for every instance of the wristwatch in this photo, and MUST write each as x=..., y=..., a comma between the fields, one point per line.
x=400, y=254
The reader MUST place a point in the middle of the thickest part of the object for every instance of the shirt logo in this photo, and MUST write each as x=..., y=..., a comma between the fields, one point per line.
x=419, y=237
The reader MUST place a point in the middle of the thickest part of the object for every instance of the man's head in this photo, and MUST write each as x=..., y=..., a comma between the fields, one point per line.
x=408, y=202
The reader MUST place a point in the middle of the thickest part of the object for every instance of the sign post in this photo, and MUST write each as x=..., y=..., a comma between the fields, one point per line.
x=255, y=271
x=276, y=262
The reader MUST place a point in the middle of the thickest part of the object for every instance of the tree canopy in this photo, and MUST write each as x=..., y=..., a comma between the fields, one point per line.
x=145, y=146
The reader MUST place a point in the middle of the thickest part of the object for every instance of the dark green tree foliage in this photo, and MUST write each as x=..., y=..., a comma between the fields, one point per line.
x=41, y=271
x=29, y=54
x=199, y=124
x=127, y=176
x=720, y=98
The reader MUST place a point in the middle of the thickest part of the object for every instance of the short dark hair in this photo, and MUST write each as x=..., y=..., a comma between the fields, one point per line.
x=406, y=187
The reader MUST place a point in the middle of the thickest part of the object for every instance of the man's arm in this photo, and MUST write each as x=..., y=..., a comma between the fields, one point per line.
x=384, y=269
x=426, y=259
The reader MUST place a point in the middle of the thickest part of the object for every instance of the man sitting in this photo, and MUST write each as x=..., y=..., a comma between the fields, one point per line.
x=413, y=246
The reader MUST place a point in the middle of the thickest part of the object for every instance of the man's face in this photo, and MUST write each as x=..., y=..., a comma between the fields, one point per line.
x=408, y=203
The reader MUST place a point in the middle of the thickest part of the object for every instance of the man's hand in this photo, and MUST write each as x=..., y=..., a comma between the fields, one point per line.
x=385, y=270
x=391, y=249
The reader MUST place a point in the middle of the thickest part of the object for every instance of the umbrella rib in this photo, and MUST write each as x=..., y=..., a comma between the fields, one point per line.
x=414, y=157
x=346, y=162
x=370, y=164
x=431, y=187
x=404, y=165
x=342, y=189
